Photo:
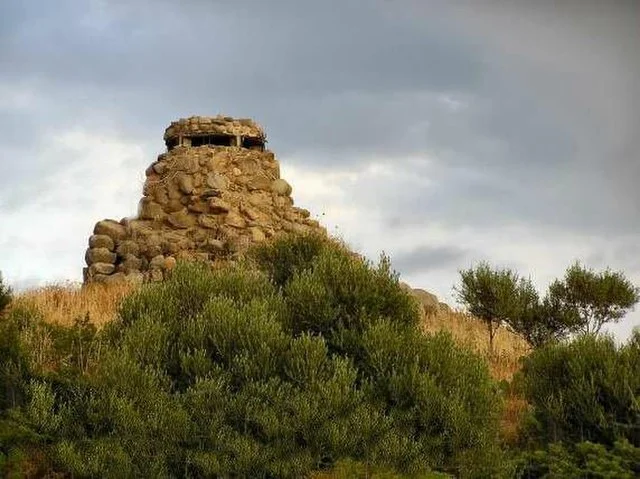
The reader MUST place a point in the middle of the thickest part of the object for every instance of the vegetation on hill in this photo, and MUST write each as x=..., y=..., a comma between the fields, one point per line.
x=299, y=359
x=5, y=295
x=302, y=360
x=585, y=409
x=582, y=302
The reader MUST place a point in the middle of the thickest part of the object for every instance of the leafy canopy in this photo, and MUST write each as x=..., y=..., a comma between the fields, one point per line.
x=497, y=296
x=596, y=298
x=300, y=358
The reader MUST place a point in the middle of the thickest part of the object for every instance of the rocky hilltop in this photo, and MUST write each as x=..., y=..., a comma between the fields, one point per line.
x=216, y=190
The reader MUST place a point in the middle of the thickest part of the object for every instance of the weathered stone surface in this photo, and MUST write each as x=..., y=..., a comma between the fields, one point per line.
x=303, y=212
x=214, y=245
x=200, y=203
x=130, y=263
x=185, y=183
x=138, y=228
x=249, y=212
x=160, y=167
x=157, y=262
x=217, y=181
x=99, y=255
x=173, y=206
x=110, y=228
x=210, y=193
x=128, y=247
x=197, y=205
x=218, y=205
x=101, y=268
x=428, y=301
x=150, y=210
x=160, y=195
x=259, y=182
x=208, y=221
x=101, y=241
x=181, y=219
x=235, y=220
x=152, y=246
x=188, y=164
x=281, y=187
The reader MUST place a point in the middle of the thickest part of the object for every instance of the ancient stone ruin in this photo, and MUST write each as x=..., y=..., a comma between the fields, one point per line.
x=214, y=192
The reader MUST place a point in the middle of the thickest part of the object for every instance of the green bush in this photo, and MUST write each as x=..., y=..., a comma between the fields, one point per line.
x=297, y=359
x=585, y=390
x=582, y=460
x=6, y=295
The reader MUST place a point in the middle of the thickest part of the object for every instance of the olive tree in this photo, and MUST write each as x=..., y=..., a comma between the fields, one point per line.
x=496, y=296
x=595, y=298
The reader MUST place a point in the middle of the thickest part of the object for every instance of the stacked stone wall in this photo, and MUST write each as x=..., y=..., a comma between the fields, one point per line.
x=199, y=203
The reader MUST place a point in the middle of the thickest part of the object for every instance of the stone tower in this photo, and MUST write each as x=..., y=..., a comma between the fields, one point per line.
x=216, y=190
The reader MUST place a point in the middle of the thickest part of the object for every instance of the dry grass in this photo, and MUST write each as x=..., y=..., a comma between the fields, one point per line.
x=467, y=330
x=504, y=363
x=62, y=304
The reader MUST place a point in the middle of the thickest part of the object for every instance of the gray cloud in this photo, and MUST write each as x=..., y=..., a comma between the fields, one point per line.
x=427, y=258
x=524, y=114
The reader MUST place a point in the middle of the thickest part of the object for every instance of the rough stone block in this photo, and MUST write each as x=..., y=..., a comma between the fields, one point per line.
x=128, y=247
x=181, y=219
x=99, y=255
x=281, y=187
x=110, y=228
x=101, y=241
x=101, y=268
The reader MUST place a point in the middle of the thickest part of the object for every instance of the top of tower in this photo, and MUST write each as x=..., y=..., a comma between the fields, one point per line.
x=215, y=130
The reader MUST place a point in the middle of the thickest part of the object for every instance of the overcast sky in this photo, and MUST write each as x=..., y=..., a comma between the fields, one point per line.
x=443, y=133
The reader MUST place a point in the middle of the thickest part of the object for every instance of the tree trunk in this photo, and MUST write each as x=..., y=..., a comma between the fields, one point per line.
x=492, y=333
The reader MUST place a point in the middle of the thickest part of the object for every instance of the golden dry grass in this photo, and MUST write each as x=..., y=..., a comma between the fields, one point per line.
x=504, y=363
x=509, y=348
x=62, y=304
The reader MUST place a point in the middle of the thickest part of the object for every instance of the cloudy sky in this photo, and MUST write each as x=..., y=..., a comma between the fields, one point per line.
x=440, y=132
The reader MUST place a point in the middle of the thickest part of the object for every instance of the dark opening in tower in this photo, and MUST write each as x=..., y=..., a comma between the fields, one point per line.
x=215, y=140
x=253, y=143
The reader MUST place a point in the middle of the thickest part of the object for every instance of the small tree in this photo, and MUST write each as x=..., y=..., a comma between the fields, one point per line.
x=543, y=321
x=495, y=296
x=5, y=295
x=594, y=298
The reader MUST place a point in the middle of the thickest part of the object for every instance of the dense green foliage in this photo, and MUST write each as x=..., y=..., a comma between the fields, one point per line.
x=596, y=298
x=582, y=460
x=303, y=357
x=582, y=302
x=585, y=390
x=498, y=296
x=585, y=399
x=5, y=295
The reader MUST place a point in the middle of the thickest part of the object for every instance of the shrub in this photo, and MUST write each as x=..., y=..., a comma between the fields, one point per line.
x=585, y=390
x=584, y=459
x=6, y=295
x=300, y=358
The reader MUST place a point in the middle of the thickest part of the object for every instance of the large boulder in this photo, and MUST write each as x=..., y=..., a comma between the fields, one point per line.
x=101, y=241
x=110, y=228
x=99, y=255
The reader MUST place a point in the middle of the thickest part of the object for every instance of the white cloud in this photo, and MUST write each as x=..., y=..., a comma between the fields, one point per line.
x=47, y=235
